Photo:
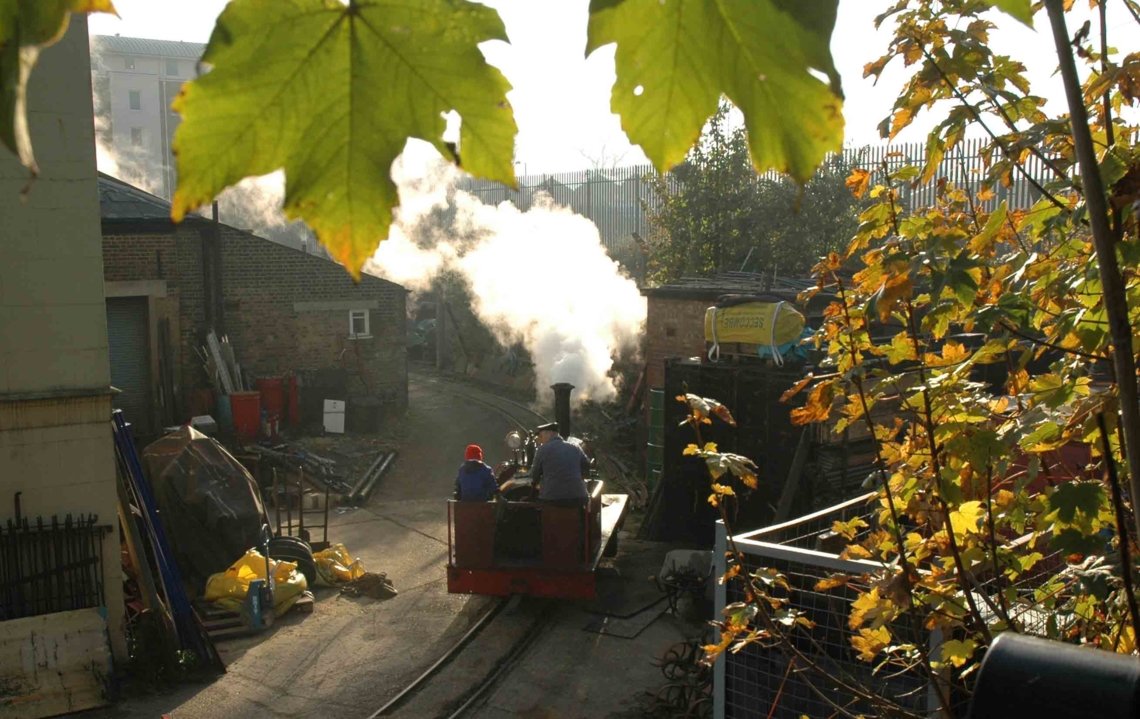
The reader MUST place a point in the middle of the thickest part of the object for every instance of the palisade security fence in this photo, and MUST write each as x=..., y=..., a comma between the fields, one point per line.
x=618, y=200
x=51, y=565
x=772, y=682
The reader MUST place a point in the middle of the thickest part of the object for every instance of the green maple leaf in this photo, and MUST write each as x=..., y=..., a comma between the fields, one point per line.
x=676, y=59
x=331, y=93
x=26, y=27
x=1071, y=497
x=1019, y=9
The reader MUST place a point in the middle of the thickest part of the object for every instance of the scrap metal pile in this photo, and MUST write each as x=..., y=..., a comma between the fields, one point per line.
x=320, y=471
x=325, y=473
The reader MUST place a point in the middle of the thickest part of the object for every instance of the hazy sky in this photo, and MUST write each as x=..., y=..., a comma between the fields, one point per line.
x=561, y=99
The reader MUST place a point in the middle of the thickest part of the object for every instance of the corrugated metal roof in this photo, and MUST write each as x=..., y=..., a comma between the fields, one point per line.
x=124, y=205
x=147, y=46
x=731, y=283
x=119, y=201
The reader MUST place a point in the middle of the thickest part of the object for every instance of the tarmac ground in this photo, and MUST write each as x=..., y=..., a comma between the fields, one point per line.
x=351, y=655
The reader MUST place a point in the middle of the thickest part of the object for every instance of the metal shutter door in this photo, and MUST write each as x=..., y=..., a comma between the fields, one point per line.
x=127, y=337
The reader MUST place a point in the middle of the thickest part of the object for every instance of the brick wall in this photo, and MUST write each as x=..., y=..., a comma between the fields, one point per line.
x=288, y=310
x=284, y=310
x=673, y=328
x=176, y=258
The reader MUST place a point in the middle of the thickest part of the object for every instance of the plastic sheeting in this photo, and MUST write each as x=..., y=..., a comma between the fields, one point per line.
x=335, y=566
x=209, y=503
x=228, y=589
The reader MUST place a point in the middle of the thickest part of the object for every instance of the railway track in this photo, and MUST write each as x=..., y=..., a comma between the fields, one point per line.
x=506, y=407
x=455, y=684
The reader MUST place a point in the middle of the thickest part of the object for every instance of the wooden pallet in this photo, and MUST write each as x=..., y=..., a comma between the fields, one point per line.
x=224, y=624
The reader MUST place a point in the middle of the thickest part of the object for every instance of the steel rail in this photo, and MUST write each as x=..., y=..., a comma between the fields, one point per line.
x=516, y=651
x=502, y=410
x=407, y=692
x=504, y=665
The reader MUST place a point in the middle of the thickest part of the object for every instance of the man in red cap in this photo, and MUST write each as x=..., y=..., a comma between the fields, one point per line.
x=475, y=481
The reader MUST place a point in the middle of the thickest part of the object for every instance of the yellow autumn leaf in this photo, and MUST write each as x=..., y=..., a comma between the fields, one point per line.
x=1127, y=643
x=1003, y=498
x=818, y=405
x=870, y=642
x=958, y=652
x=849, y=528
x=831, y=582
x=871, y=608
x=691, y=450
x=965, y=519
x=856, y=551
x=858, y=182
x=712, y=651
x=797, y=387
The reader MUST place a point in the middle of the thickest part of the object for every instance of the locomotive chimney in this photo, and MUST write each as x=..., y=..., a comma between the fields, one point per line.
x=562, y=406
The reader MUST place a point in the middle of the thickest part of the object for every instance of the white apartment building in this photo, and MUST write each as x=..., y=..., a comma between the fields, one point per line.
x=135, y=80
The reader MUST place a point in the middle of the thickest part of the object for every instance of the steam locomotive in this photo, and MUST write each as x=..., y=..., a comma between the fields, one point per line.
x=517, y=545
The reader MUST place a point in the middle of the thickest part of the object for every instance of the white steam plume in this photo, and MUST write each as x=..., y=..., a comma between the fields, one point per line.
x=539, y=277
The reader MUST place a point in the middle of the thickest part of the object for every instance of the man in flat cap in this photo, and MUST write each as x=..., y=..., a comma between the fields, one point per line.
x=559, y=468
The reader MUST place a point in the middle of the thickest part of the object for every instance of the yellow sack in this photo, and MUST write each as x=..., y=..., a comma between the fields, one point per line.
x=759, y=323
x=336, y=566
x=228, y=589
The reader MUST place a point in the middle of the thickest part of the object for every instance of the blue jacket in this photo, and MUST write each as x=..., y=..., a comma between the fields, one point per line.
x=558, y=469
x=475, y=482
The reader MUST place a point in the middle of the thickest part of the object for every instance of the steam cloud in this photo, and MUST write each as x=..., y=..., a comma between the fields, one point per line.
x=540, y=277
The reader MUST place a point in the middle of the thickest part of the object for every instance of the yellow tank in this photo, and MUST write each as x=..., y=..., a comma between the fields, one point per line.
x=759, y=323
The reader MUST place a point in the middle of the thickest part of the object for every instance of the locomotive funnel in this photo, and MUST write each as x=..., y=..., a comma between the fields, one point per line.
x=562, y=406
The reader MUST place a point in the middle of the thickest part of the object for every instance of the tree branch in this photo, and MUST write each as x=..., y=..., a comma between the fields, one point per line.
x=993, y=136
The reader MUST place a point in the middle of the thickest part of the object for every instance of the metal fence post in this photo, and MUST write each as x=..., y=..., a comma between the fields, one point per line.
x=720, y=567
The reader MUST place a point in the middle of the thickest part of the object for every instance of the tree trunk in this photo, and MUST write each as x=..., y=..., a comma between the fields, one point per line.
x=1115, y=301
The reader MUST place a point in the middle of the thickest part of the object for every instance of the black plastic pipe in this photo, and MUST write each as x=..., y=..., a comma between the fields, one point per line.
x=1030, y=677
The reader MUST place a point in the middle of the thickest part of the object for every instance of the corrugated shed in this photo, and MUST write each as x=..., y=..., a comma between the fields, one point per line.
x=147, y=46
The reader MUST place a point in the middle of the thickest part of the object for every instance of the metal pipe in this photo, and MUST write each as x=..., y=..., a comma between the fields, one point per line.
x=277, y=501
x=301, y=500
x=375, y=478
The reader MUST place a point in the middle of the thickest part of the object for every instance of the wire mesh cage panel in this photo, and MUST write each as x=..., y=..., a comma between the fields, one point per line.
x=821, y=674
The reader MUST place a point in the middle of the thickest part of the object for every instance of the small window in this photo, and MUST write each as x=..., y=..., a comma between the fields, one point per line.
x=136, y=136
x=129, y=63
x=358, y=323
x=134, y=99
x=172, y=68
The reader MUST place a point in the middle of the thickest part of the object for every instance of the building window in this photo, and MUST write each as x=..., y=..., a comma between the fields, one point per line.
x=129, y=63
x=172, y=68
x=134, y=99
x=136, y=136
x=358, y=324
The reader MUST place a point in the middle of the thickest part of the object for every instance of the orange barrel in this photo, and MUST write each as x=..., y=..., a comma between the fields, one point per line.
x=246, y=408
x=272, y=391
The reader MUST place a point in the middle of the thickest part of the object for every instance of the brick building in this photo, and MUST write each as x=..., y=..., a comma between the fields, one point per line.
x=283, y=310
